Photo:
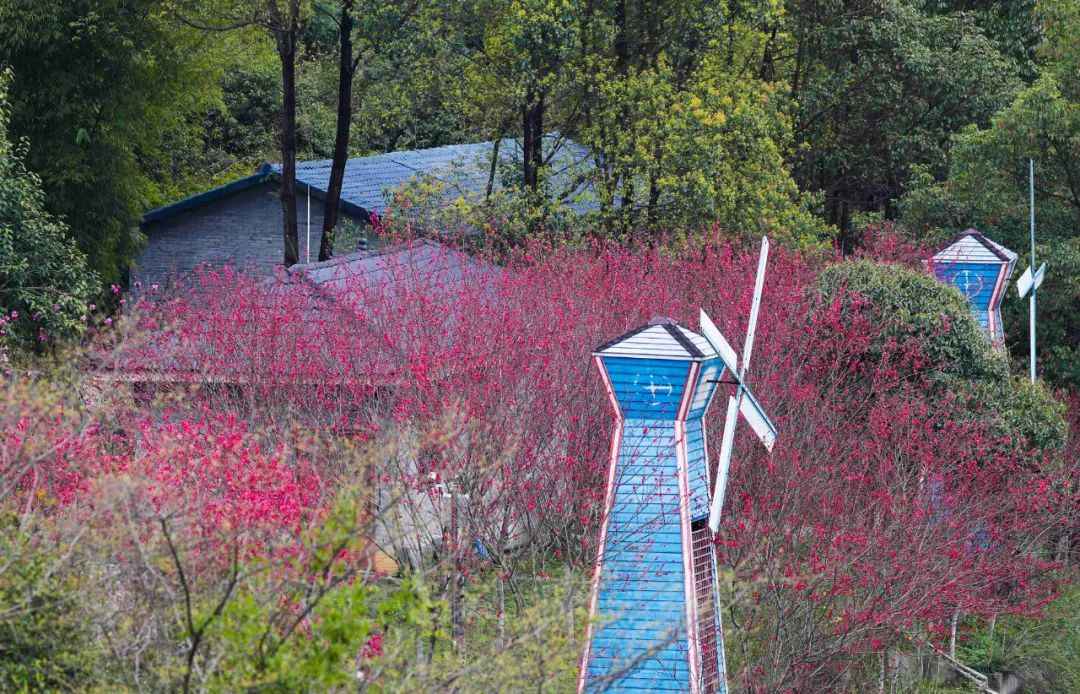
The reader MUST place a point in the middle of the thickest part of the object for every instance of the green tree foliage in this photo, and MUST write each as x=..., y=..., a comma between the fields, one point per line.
x=45, y=643
x=235, y=129
x=987, y=187
x=880, y=86
x=682, y=129
x=910, y=305
x=97, y=84
x=686, y=130
x=45, y=283
x=514, y=61
x=1041, y=651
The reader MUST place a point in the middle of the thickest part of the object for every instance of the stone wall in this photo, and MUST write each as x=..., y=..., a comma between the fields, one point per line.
x=242, y=230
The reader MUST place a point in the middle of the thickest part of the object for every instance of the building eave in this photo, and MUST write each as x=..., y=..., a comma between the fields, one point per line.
x=206, y=197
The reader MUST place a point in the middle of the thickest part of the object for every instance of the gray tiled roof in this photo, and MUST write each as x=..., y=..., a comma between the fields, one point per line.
x=377, y=285
x=359, y=285
x=369, y=179
x=420, y=264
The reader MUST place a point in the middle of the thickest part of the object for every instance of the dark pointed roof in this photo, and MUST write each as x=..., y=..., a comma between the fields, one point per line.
x=972, y=246
x=660, y=338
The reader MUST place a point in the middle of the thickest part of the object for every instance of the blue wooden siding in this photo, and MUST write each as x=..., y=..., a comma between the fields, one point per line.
x=711, y=371
x=641, y=601
x=976, y=281
x=647, y=388
x=697, y=467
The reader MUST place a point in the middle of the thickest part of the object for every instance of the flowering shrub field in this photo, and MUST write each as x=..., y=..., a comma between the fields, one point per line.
x=242, y=444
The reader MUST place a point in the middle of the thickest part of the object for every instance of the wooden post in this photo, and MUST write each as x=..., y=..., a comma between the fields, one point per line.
x=455, y=575
x=455, y=571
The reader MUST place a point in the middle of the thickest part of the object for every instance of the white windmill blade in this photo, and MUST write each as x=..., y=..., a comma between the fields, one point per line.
x=1028, y=281
x=759, y=284
x=723, y=348
x=755, y=416
x=722, y=466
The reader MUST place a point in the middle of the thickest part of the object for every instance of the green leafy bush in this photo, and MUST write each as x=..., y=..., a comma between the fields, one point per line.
x=45, y=282
x=911, y=305
x=45, y=641
x=1040, y=651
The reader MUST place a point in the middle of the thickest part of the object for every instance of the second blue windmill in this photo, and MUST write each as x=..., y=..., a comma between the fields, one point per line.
x=980, y=268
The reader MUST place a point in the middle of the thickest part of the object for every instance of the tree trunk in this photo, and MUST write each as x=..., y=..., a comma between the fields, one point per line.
x=532, y=142
x=346, y=71
x=286, y=45
x=501, y=596
x=493, y=167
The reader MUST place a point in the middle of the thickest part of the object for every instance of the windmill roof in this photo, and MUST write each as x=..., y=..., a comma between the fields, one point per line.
x=660, y=338
x=972, y=247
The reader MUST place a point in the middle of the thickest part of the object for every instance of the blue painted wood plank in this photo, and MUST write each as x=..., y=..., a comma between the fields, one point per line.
x=647, y=388
x=976, y=281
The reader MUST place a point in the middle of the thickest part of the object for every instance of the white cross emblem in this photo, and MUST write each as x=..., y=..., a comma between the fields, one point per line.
x=969, y=284
x=653, y=388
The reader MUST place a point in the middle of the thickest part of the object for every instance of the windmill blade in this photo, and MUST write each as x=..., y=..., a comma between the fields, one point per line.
x=755, y=416
x=722, y=466
x=759, y=284
x=1039, y=274
x=722, y=347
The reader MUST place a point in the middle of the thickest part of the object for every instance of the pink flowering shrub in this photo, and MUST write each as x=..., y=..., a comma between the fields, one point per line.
x=885, y=507
x=44, y=446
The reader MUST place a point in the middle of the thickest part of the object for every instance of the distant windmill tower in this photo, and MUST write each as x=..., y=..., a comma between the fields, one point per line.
x=980, y=269
x=654, y=613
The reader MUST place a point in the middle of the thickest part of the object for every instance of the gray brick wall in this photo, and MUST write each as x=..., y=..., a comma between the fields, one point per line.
x=243, y=230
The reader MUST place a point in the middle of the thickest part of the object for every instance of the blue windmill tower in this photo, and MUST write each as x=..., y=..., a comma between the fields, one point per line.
x=654, y=618
x=980, y=269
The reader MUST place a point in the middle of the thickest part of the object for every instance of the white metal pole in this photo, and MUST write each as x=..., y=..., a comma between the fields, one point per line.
x=308, y=251
x=1031, y=193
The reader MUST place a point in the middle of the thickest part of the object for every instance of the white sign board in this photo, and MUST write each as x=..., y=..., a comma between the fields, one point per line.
x=1027, y=282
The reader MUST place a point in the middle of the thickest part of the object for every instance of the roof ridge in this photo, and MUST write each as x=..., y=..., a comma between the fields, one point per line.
x=675, y=330
x=625, y=336
x=299, y=268
x=978, y=236
x=378, y=170
x=672, y=329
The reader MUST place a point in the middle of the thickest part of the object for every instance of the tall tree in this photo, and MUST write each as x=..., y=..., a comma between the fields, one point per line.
x=45, y=283
x=97, y=85
x=282, y=20
x=684, y=129
x=879, y=87
x=347, y=65
x=520, y=57
x=381, y=26
x=284, y=26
